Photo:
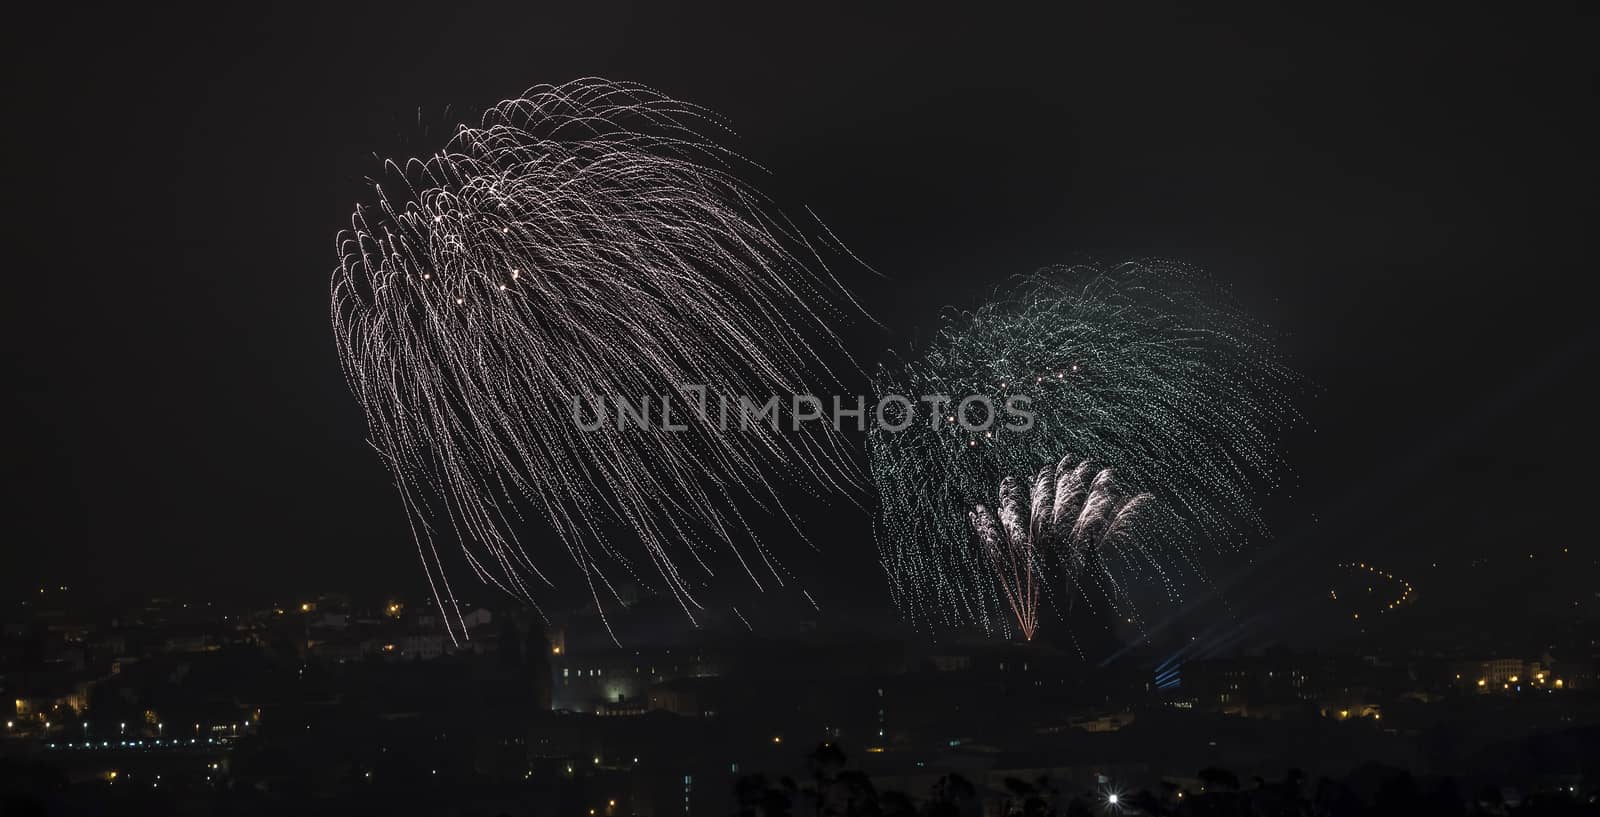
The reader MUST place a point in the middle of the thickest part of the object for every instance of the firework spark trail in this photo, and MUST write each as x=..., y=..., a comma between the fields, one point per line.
x=1399, y=590
x=584, y=240
x=1090, y=535
x=1008, y=543
x=1144, y=366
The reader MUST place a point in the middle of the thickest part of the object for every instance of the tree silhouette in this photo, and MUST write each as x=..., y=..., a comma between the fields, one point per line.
x=758, y=798
x=1213, y=777
x=950, y=793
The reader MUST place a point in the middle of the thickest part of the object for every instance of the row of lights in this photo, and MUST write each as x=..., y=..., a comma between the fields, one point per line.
x=1538, y=678
x=89, y=744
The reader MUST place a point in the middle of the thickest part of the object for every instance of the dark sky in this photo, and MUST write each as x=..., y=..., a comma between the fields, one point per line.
x=1409, y=197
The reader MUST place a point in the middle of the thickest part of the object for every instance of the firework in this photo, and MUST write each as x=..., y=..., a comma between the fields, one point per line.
x=1070, y=520
x=1009, y=546
x=587, y=240
x=1145, y=367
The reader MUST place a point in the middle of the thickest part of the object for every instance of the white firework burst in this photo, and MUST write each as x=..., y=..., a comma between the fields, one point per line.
x=586, y=240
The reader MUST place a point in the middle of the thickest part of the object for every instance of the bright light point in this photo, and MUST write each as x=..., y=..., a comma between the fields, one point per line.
x=1112, y=799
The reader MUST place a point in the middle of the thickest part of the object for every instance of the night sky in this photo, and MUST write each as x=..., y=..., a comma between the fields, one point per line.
x=1409, y=199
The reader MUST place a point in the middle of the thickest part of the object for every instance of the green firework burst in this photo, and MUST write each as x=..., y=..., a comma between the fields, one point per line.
x=1147, y=368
